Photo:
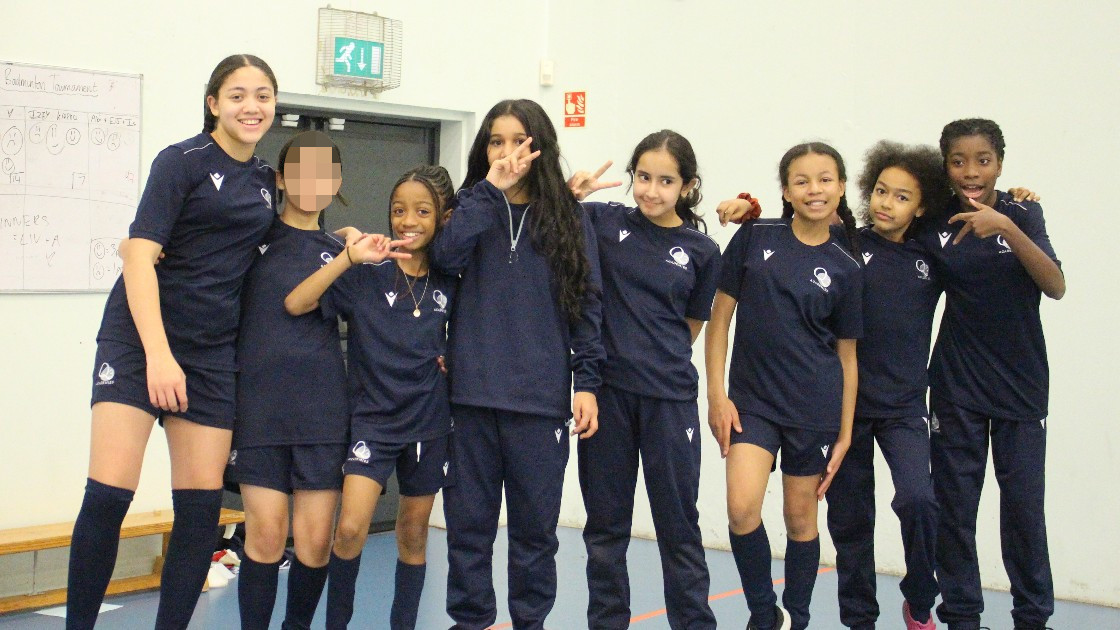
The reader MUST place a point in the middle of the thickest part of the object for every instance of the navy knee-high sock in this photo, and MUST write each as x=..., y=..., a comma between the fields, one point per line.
x=343, y=574
x=406, y=595
x=256, y=592
x=93, y=551
x=752, y=557
x=189, y=550
x=802, y=560
x=305, y=586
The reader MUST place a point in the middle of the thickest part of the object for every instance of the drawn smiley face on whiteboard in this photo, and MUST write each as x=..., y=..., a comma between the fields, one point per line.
x=73, y=136
x=53, y=140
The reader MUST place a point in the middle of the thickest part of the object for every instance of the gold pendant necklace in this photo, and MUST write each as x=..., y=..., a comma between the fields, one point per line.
x=409, y=286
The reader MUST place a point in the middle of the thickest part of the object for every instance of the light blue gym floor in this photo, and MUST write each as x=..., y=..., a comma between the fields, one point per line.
x=218, y=607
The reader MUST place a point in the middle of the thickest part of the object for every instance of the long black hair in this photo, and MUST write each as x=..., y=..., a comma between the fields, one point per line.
x=922, y=162
x=680, y=148
x=844, y=212
x=226, y=67
x=556, y=225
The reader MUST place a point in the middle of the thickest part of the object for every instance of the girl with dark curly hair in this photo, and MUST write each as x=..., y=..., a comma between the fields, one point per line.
x=899, y=184
x=400, y=420
x=526, y=326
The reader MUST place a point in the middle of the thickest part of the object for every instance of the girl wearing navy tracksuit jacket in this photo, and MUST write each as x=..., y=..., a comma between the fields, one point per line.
x=525, y=330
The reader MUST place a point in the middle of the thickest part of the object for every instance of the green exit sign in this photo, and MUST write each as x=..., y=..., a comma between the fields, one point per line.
x=358, y=58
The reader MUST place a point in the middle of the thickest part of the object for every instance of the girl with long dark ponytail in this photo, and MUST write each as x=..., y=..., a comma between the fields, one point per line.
x=206, y=205
x=792, y=382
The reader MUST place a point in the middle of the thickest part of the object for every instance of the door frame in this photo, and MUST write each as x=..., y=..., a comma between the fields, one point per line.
x=456, y=128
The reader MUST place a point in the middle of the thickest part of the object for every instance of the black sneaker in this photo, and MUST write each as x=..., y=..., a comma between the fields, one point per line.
x=781, y=622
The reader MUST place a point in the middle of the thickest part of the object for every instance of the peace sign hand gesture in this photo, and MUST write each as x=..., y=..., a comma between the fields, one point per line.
x=374, y=248
x=507, y=171
x=985, y=221
x=583, y=183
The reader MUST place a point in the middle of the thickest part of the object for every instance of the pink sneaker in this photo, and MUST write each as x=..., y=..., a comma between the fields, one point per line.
x=916, y=625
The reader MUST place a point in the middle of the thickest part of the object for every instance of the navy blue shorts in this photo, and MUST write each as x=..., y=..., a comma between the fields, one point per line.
x=288, y=468
x=120, y=375
x=423, y=468
x=805, y=452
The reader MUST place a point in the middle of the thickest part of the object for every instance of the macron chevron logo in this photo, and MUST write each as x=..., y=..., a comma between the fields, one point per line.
x=622, y=234
x=767, y=253
x=217, y=179
x=867, y=257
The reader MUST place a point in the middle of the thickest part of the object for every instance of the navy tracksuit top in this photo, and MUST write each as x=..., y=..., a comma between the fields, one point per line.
x=510, y=347
x=654, y=279
x=900, y=293
x=209, y=212
x=990, y=355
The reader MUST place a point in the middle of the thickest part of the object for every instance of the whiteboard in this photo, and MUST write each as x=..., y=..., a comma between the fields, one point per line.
x=69, y=176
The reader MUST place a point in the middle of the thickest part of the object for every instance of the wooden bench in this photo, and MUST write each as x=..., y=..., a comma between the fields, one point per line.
x=38, y=537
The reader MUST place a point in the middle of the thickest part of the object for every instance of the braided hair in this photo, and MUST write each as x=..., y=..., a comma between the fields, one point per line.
x=843, y=211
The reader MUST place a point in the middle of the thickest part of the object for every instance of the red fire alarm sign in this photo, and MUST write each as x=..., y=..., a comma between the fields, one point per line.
x=575, y=109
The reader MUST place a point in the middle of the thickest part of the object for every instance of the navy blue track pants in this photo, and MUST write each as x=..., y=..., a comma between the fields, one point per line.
x=526, y=455
x=905, y=445
x=959, y=456
x=666, y=434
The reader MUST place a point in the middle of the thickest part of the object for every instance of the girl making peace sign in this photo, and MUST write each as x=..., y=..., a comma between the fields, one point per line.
x=525, y=328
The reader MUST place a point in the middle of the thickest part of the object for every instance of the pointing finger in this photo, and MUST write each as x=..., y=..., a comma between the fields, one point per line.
x=603, y=169
x=964, y=230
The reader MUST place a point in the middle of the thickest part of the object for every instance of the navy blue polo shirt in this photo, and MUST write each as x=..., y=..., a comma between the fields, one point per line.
x=209, y=212
x=511, y=348
x=900, y=293
x=990, y=355
x=653, y=279
x=794, y=302
x=397, y=392
x=291, y=386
